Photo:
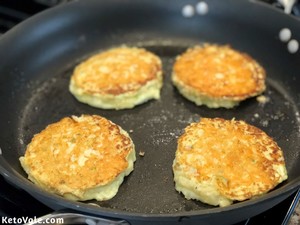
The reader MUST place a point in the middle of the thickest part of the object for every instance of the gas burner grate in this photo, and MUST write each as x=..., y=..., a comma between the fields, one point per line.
x=13, y=12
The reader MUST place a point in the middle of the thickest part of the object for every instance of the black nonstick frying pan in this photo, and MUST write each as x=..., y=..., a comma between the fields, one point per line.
x=37, y=58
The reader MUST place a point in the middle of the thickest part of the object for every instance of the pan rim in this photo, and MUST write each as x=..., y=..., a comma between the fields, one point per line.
x=39, y=16
x=83, y=207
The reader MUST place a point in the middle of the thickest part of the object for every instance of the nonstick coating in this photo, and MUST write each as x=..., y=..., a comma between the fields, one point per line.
x=38, y=58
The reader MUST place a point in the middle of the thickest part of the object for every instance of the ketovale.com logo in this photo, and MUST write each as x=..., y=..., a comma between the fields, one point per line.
x=26, y=220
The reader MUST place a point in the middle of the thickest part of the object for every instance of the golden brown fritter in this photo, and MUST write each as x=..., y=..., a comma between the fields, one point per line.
x=217, y=76
x=77, y=155
x=118, y=78
x=220, y=161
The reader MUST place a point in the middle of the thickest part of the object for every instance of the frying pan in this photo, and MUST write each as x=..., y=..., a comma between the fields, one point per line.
x=37, y=58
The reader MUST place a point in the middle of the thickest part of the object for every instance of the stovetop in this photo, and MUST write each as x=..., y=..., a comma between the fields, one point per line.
x=15, y=202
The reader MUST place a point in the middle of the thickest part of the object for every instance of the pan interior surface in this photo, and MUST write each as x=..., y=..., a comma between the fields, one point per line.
x=35, y=83
x=154, y=128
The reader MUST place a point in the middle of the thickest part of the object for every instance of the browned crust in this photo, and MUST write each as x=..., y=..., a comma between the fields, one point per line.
x=78, y=153
x=117, y=71
x=241, y=157
x=220, y=72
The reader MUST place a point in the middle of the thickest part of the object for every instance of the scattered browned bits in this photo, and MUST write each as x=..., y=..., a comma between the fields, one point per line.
x=142, y=153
